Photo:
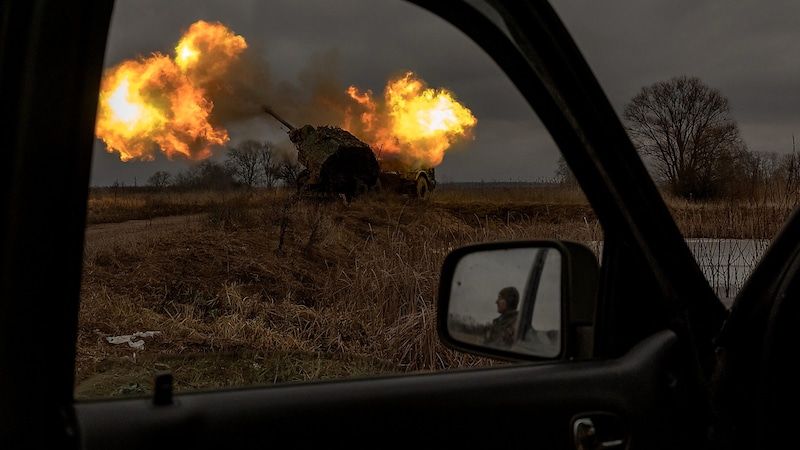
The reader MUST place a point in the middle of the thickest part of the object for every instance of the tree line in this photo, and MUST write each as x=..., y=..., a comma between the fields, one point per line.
x=685, y=132
x=251, y=164
x=682, y=128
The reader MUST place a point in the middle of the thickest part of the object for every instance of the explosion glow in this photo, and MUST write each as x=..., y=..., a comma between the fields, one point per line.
x=158, y=102
x=167, y=104
x=416, y=124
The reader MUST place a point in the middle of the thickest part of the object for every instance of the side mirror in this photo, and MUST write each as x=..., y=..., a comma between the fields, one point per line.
x=519, y=300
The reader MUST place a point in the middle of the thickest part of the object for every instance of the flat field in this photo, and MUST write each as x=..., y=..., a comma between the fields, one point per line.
x=256, y=288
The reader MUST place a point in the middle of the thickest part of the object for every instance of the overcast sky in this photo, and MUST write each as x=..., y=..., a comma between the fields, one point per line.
x=746, y=50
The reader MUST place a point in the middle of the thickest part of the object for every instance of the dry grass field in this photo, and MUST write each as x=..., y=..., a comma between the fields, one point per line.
x=260, y=288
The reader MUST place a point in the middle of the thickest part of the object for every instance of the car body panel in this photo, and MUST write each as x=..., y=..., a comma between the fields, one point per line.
x=51, y=60
x=458, y=407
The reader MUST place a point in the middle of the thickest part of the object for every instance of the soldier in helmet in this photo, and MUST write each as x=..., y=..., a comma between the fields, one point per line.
x=502, y=331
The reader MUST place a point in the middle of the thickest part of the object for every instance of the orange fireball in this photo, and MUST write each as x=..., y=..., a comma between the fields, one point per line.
x=161, y=103
x=415, y=124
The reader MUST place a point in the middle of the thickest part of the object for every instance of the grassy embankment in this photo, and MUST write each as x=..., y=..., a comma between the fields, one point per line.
x=263, y=288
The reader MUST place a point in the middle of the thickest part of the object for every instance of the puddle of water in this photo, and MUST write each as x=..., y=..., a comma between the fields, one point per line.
x=726, y=263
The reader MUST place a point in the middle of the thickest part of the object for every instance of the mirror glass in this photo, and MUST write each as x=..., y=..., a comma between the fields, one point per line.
x=508, y=299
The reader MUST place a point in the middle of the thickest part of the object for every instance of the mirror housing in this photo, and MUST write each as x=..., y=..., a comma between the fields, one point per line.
x=543, y=290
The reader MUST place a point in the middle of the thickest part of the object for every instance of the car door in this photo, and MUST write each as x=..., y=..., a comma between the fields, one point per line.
x=642, y=385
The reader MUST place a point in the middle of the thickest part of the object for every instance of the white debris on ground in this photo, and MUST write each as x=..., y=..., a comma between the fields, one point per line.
x=135, y=340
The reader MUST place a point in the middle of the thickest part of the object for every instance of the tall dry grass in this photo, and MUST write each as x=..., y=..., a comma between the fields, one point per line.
x=515, y=193
x=269, y=288
x=285, y=284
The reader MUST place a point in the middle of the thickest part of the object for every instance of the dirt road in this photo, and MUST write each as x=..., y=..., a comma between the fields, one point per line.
x=116, y=233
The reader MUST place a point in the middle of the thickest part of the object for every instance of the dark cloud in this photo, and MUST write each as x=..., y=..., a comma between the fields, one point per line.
x=302, y=55
x=302, y=50
x=745, y=49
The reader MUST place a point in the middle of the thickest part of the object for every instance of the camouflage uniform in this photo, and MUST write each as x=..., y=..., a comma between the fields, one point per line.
x=503, y=329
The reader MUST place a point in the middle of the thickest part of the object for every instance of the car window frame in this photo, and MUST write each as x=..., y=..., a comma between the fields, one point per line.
x=638, y=240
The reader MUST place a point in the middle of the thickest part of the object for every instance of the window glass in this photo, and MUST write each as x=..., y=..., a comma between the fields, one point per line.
x=719, y=78
x=276, y=184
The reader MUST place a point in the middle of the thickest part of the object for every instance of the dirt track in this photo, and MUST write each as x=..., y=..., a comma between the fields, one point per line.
x=132, y=230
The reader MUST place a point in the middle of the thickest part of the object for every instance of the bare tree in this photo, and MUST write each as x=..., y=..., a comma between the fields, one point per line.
x=687, y=130
x=208, y=174
x=244, y=161
x=789, y=170
x=160, y=179
x=564, y=174
x=291, y=172
x=216, y=176
x=270, y=169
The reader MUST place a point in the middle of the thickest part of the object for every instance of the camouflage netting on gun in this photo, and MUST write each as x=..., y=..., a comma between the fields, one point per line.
x=316, y=145
x=335, y=160
x=351, y=171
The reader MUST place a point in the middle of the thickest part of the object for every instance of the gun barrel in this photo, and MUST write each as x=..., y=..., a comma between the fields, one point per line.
x=277, y=117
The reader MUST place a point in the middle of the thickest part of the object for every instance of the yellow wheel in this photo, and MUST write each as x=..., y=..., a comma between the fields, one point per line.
x=422, y=188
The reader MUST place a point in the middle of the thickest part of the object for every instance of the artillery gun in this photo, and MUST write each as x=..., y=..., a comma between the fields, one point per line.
x=338, y=162
x=335, y=161
x=397, y=177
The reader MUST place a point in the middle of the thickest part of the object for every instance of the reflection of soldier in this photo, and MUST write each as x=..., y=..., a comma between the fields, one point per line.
x=503, y=328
